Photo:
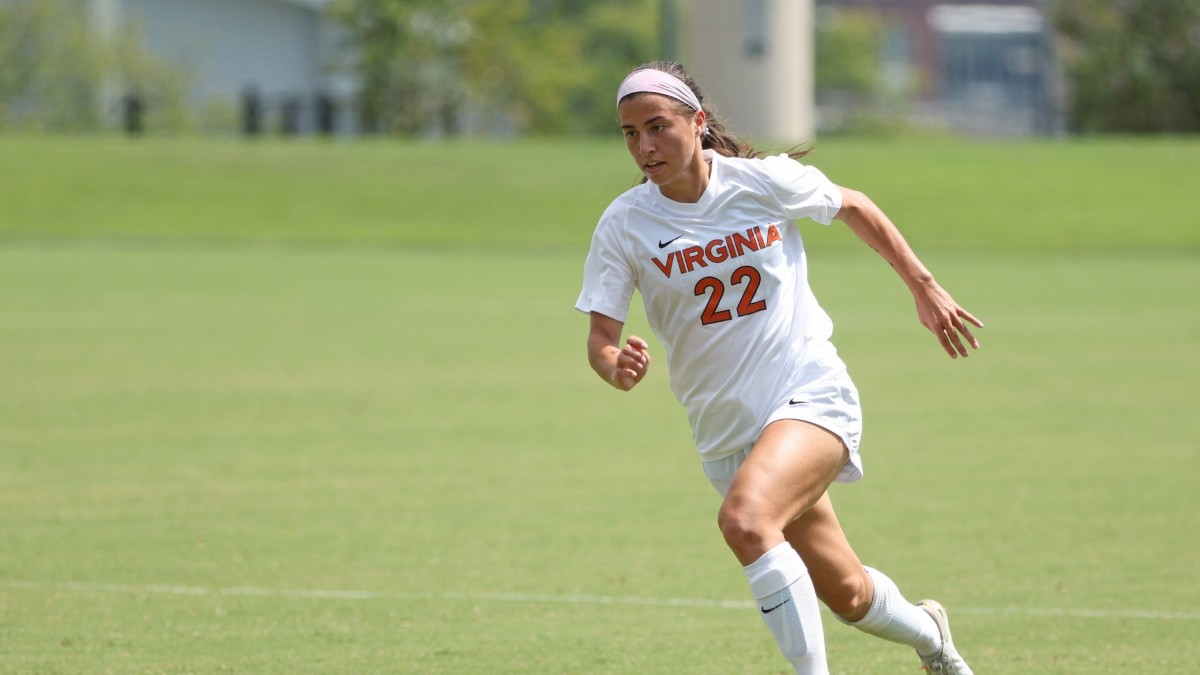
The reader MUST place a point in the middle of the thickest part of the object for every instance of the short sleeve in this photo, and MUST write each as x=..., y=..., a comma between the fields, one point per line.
x=608, y=278
x=802, y=190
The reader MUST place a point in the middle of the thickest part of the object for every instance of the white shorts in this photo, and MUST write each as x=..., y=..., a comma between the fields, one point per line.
x=829, y=404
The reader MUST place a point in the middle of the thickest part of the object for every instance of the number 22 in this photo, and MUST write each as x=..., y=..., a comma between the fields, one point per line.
x=747, y=305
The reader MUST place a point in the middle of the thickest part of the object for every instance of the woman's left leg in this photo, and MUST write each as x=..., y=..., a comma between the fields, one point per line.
x=792, y=465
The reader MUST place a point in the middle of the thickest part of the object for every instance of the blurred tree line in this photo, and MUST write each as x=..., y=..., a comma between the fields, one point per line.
x=847, y=52
x=849, y=75
x=1132, y=65
x=57, y=73
x=542, y=66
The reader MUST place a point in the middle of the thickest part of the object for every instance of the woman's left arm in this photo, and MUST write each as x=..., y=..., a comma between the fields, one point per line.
x=936, y=309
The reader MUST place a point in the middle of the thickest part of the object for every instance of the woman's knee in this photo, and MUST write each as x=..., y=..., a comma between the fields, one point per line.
x=747, y=531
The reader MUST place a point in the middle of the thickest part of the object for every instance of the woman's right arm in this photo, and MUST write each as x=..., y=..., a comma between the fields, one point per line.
x=621, y=367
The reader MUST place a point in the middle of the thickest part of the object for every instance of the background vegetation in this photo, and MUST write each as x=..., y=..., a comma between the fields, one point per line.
x=549, y=66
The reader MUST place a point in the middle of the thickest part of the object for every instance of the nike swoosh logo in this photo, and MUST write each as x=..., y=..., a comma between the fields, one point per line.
x=795, y=402
x=664, y=244
x=768, y=611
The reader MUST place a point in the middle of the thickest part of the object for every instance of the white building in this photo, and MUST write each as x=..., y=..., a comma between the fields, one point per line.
x=980, y=67
x=288, y=52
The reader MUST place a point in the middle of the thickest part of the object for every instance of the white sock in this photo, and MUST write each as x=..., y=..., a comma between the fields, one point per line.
x=891, y=617
x=780, y=583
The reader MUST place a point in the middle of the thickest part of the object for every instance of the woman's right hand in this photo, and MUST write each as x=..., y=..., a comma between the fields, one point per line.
x=622, y=367
x=632, y=363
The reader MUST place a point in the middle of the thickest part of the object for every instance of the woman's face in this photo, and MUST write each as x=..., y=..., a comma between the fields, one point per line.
x=665, y=144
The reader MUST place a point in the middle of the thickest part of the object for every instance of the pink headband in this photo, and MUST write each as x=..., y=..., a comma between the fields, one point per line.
x=657, y=82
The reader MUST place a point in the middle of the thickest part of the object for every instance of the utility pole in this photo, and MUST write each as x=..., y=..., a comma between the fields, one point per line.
x=104, y=20
x=756, y=59
x=668, y=18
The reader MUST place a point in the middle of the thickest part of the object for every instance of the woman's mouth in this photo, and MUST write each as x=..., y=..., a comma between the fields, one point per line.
x=653, y=167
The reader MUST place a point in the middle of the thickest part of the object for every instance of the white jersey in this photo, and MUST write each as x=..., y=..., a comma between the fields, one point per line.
x=725, y=286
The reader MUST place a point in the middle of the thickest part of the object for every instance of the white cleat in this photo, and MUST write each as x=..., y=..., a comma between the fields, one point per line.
x=946, y=660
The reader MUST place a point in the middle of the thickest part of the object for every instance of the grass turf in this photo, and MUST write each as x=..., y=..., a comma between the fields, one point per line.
x=199, y=441
x=1065, y=197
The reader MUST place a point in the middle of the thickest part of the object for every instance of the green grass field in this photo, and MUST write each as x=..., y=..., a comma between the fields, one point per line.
x=319, y=408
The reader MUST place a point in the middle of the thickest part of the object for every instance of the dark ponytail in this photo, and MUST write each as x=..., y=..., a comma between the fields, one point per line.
x=717, y=138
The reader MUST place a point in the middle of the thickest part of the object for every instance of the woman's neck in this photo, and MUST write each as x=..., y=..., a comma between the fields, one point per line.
x=692, y=184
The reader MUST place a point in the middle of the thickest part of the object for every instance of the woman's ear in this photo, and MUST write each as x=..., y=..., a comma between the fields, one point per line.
x=701, y=121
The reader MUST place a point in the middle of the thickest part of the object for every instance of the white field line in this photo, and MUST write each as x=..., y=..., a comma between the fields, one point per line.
x=164, y=589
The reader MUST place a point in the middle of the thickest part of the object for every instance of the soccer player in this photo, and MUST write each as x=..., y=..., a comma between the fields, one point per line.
x=709, y=240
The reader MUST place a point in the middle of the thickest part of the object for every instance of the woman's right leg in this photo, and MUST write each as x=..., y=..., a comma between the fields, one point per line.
x=864, y=597
x=840, y=580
